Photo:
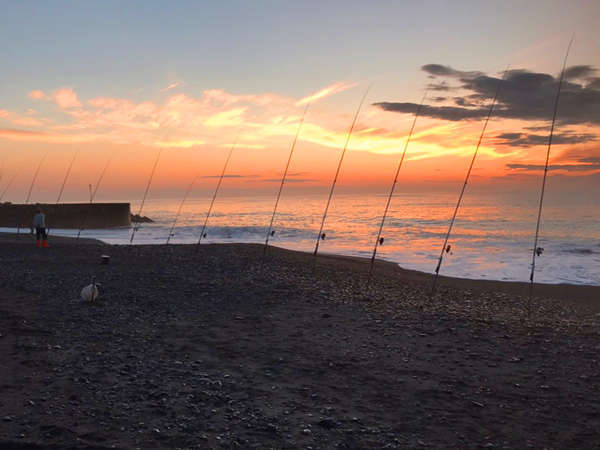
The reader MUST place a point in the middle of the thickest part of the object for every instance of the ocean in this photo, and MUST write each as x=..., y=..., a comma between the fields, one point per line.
x=492, y=237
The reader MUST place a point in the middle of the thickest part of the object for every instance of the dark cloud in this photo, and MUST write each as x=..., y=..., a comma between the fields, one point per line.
x=510, y=136
x=464, y=101
x=231, y=176
x=439, y=112
x=438, y=99
x=523, y=95
x=583, y=164
x=297, y=174
x=579, y=72
x=538, y=128
x=289, y=180
x=438, y=70
x=591, y=159
x=441, y=86
x=528, y=140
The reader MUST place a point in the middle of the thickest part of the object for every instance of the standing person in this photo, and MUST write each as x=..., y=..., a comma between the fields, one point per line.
x=39, y=223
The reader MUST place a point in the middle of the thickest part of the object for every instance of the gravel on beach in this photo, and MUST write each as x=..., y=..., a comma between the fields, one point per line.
x=207, y=347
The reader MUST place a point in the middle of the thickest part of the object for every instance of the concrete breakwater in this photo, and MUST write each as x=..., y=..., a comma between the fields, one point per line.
x=67, y=215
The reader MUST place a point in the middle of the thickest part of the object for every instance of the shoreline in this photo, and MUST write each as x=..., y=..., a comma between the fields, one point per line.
x=553, y=277
x=565, y=291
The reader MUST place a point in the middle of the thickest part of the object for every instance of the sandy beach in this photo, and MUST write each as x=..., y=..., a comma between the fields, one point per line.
x=207, y=349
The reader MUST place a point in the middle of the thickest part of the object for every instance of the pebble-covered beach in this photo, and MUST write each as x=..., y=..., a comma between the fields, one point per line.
x=210, y=348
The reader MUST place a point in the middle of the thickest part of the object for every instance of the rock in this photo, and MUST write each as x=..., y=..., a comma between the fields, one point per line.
x=136, y=218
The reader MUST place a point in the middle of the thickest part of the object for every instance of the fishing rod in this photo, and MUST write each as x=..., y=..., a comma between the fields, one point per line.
x=270, y=231
x=35, y=175
x=8, y=186
x=321, y=235
x=62, y=188
x=538, y=251
x=93, y=196
x=180, y=207
x=212, y=202
x=379, y=239
x=445, y=246
x=139, y=215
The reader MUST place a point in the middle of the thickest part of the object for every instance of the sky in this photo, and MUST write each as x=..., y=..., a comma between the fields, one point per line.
x=117, y=84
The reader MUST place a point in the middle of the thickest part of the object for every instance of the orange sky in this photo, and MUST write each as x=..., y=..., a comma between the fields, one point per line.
x=196, y=132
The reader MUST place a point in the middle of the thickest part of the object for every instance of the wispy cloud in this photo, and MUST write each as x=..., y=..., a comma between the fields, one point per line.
x=6, y=132
x=267, y=121
x=66, y=98
x=326, y=92
x=528, y=140
x=44, y=136
x=37, y=95
x=290, y=180
x=231, y=176
x=171, y=86
x=19, y=119
x=592, y=164
x=180, y=143
x=189, y=121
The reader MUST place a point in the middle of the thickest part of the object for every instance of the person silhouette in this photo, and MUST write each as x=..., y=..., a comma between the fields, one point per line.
x=39, y=223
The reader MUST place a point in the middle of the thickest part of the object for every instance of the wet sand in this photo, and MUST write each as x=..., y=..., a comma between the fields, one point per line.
x=203, y=349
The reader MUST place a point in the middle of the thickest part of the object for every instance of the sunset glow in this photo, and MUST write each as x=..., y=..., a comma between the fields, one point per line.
x=197, y=121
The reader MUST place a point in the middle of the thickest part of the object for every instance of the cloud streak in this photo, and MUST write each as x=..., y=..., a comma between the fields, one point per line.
x=182, y=121
x=582, y=165
x=231, y=176
x=529, y=140
x=171, y=86
x=326, y=92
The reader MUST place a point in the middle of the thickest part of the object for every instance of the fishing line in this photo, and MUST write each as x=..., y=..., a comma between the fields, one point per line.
x=321, y=235
x=212, y=202
x=445, y=247
x=139, y=215
x=180, y=207
x=539, y=217
x=379, y=239
x=283, y=178
x=62, y=188
x=10, y=182
x=93, y=196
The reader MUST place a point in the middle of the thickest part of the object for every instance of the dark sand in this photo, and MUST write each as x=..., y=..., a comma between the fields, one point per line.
x=203, y=350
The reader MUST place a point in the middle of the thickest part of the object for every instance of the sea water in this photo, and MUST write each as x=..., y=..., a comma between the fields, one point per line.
x=492, y=237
